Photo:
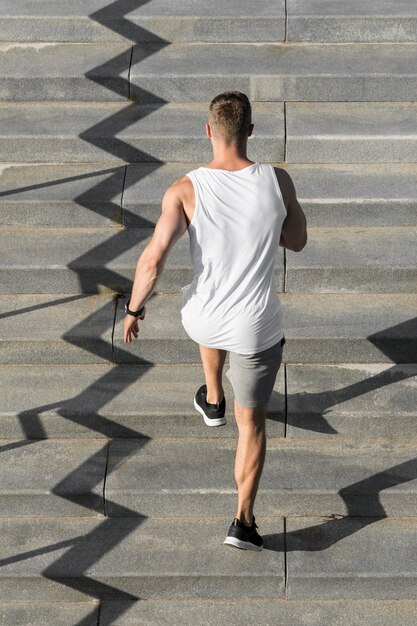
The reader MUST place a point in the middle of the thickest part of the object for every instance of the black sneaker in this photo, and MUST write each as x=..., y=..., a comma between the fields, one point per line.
x=213, y=413
x=245, y=537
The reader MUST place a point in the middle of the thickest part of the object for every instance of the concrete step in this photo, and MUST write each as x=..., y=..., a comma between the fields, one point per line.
x=351, y=21
x=90, y=260
x=301, y=72
x=102, y=401
x=351, y=557
x=115, y=132
x=97, y=21
x=61, y=196
x=315, y=401
x=351, y=132
x=355, y=259
x=56, y=328
x=74, y=559
x=55, y=71
x=44, y=613
x=211, y=612
x=180, y=477
x=189, y=477
x=295, y=612
x=349, y=400
x=319, y=328
x=52, y=477
x=381, y=194
x=126, y=559
x=159, y=72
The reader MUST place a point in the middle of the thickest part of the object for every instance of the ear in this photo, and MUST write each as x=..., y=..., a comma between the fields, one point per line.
x=208, y=129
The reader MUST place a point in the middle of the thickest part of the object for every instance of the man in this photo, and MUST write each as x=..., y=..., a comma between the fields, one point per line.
x=236, y=212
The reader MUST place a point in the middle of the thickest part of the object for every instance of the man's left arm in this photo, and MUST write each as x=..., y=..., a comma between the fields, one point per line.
x=171, y=225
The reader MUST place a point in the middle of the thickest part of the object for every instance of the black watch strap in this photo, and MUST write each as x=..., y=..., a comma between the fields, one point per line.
x=134, y=313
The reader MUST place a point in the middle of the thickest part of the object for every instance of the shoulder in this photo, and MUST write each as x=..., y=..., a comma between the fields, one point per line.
x=179, y=189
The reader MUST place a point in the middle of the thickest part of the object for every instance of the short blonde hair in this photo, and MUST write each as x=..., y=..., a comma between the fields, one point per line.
x=230, y=115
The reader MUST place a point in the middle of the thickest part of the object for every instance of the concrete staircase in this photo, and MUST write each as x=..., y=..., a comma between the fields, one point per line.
x=115, y=497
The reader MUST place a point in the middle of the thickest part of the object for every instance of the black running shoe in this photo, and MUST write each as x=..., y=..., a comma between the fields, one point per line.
x=213, y=413
x=245, y=537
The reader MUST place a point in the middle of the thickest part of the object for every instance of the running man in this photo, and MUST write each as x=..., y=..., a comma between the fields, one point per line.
x=236, y=212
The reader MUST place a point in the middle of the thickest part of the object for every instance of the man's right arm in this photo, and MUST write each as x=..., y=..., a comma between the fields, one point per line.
x=294, y=228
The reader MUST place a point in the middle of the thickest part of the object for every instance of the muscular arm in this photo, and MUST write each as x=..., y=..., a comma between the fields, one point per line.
x=294, y=228
x=170, y=226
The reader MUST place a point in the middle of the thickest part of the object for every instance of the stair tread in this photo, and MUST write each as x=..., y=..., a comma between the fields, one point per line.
x=338, y=477
x=100, y=400
x=189, y=561
x=336, y=557
x=120, y=132
x=336, y=131
x=320, y=612
x=190, y=611
x=276, y=71
x=52, y=477
x=351, y=21
x=184, y=477
x=156, y=7
x=189, y=20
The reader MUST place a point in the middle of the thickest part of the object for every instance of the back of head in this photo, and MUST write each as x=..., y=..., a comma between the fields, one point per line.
x=230, y=115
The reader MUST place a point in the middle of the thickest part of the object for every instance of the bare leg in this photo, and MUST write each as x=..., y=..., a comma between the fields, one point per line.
x=250, y=457
x=213, y=362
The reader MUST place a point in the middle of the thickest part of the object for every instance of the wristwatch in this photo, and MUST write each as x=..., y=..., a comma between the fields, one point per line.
x=134, y=313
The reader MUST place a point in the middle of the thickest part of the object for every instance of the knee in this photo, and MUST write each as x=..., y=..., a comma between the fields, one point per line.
x=250, y=417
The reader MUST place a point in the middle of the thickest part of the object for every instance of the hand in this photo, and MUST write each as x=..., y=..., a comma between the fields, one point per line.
x=131, y=326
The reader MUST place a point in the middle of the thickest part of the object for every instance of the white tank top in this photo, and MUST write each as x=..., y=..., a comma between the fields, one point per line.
x=234, y=235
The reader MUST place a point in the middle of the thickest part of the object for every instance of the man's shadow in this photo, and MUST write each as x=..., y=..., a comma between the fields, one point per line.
x=363, y=506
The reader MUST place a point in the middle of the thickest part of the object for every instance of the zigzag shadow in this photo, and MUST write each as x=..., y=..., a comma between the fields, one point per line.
x=84, y=551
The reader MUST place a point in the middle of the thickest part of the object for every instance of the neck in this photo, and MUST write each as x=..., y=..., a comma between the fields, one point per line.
x=229, y=155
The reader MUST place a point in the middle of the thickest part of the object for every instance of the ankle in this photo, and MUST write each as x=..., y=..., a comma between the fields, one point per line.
x=246, y=519
x=212, y=397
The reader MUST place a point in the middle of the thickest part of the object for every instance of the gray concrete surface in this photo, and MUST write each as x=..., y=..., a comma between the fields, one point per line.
x=182, y=73
x=366, y=194
x=56, y=71
x=52, y=477
x=44, y=614
x=351, y=558
x=115, y=401
x=99, y=20
x=351, y=400
x=352, y=20
x=114, y=557
x=301, y=477
x=267, y=611
x=58, y=328
x=351, y=132
x=356, y=259
x=61, y=196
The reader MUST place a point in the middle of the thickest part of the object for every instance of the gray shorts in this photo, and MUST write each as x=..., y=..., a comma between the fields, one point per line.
x=253, y=375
